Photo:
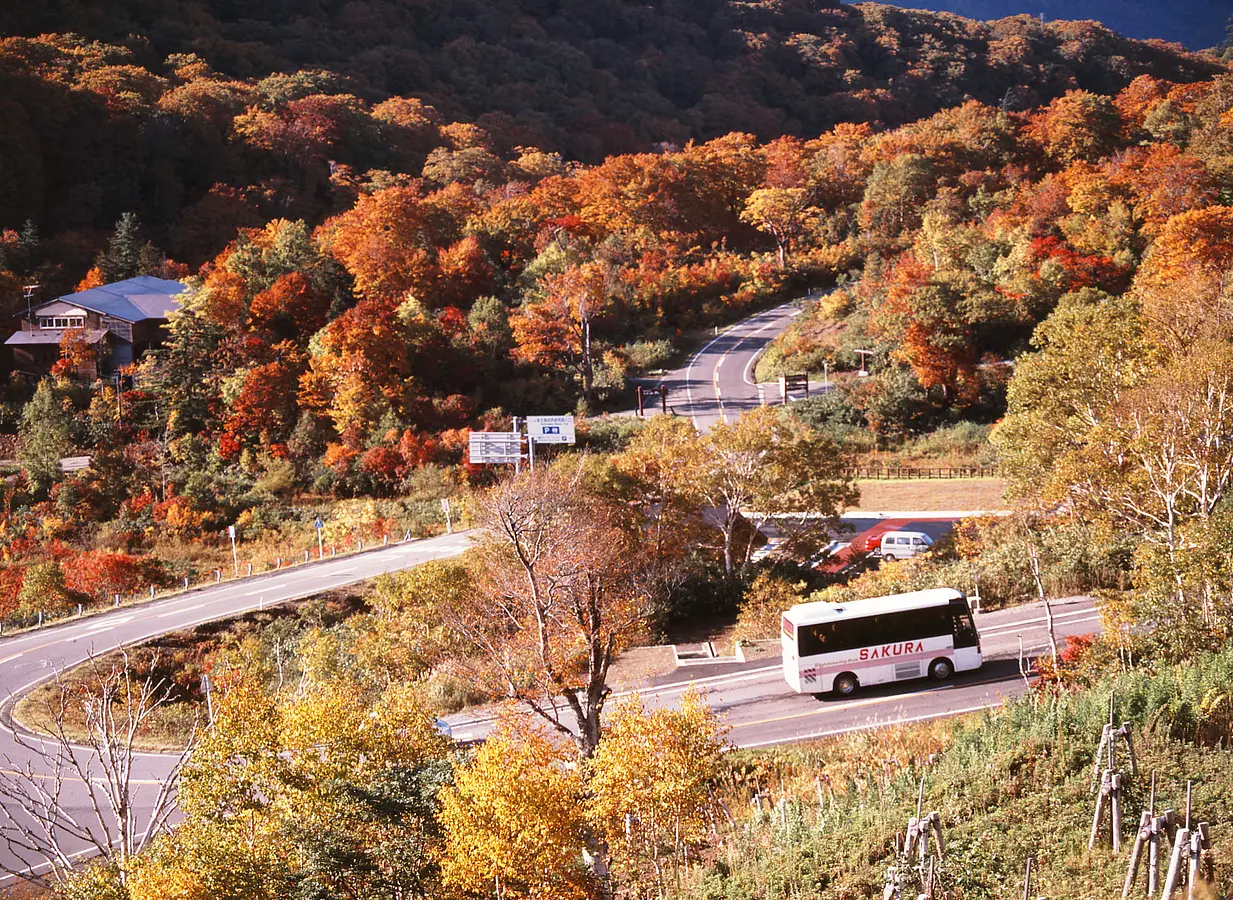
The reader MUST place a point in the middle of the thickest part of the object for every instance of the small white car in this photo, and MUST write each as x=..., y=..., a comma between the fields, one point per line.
x=904, y=544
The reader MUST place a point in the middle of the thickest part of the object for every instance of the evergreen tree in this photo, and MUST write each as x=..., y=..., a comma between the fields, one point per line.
x=45, y=437
x=123, y=256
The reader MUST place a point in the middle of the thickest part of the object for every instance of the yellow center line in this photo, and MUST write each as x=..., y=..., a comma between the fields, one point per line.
x=856, y=704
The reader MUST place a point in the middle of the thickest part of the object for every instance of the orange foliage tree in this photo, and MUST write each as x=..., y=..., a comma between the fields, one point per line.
x=554, y=329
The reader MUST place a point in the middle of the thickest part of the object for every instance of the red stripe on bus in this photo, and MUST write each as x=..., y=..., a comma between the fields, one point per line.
x=885, y=661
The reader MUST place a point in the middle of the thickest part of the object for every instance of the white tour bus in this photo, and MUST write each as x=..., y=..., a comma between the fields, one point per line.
x=840, y=646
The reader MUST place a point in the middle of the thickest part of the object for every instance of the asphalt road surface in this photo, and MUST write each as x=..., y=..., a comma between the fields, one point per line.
x=717, y=384
x=34, y=657
x=762, y=710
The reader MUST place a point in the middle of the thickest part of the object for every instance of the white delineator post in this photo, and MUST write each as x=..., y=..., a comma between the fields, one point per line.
x=235, y=557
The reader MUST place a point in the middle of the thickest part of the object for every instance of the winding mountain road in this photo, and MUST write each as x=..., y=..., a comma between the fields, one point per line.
x=29, y=659
x=717, y=384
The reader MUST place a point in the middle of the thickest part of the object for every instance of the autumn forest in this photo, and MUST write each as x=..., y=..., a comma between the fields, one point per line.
x=400, y=223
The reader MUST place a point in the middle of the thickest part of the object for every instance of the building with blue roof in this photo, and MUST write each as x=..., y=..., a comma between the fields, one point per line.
x=124, y=319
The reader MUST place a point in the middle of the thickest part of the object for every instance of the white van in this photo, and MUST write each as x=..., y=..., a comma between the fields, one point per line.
x=904, y=544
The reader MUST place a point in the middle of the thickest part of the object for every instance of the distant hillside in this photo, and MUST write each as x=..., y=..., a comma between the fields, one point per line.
x=593, y=77
x=1197, y=24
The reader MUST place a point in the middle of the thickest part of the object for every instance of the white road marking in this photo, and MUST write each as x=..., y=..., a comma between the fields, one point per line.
x=871, y=726
x=177, y=612
x=1089, y=614
x=109, y=623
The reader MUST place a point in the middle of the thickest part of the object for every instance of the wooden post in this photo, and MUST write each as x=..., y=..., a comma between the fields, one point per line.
x=1136, y=852
x=1153, y=857
x=909, y=842
x=1196, y=854
x=1102, y=798
x=935, y=820
x=1130, y=748
x=1173, y=877
x=1027, y=879
x=1115, y=809
x=1100, y=756
x=1112, y=730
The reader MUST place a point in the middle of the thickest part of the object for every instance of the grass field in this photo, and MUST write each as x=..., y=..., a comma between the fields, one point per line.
x=926, y=494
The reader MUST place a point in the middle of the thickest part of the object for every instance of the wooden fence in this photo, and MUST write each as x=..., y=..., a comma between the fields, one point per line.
x=893, y=472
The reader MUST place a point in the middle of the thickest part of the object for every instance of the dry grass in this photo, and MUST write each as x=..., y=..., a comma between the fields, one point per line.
x=927, y=494
x=169, y=728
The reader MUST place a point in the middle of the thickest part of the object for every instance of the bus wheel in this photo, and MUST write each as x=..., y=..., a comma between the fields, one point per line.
x=941, y=669
x=846, y=684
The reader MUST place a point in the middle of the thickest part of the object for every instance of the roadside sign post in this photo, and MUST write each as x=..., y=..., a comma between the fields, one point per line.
x=495, y=447
x=551, y=429
x=789, y=383
x=644, y=393
x=235, y=557
x=320, y=526
x=518, y=438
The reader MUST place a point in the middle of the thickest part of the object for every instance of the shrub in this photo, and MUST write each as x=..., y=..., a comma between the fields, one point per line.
x=609, y=434
x=761, y=608
x=644, y=355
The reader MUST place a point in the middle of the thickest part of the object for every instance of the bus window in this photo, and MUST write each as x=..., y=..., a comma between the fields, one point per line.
x=912, y=625
x=965, y=630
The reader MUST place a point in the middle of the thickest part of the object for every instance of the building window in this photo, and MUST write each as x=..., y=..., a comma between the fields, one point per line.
x=65, y=322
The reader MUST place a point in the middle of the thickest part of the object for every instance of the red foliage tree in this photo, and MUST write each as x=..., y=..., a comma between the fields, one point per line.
x=100, y=574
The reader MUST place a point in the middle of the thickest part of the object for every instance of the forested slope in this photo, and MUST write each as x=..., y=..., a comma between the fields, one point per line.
x=593, y=77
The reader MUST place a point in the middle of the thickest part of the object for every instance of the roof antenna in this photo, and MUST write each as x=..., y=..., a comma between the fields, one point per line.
x=28, y=291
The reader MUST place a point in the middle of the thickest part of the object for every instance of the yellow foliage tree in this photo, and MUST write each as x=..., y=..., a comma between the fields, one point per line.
x=514, y=820
x=651, y=779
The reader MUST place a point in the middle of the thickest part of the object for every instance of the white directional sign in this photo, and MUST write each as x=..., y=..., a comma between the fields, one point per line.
x=494, y=447
x=551, y=429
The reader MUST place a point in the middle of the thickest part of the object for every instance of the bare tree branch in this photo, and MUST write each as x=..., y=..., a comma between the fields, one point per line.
x=77, y=794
